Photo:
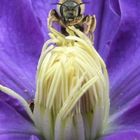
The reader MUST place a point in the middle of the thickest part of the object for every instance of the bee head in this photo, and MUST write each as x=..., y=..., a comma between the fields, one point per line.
x=69, y=9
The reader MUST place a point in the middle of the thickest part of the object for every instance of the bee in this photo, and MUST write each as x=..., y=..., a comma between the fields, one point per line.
x=71, y=13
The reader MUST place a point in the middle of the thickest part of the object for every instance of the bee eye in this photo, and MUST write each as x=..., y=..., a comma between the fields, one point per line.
x=76, y=11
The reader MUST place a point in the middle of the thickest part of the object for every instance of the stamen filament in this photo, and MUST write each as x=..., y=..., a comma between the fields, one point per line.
x=18, y=97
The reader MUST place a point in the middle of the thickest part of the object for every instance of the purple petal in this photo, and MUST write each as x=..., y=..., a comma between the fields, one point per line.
x=14, y=103
x=123, y=135
x=15, y=123
x=13, y=117
x=20, y=44
x=128, y=117
x=126, y=87
x=114, y=4
x=123, y=59
x=16, y=136
x=41, y=10
x=33, y=137
x=107, y=24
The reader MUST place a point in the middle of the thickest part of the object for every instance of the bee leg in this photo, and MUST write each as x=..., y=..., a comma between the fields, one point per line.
x=89, y=25
x=54, y=18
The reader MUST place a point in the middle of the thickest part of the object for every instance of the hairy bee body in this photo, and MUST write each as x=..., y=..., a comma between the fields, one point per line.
x=71, y=13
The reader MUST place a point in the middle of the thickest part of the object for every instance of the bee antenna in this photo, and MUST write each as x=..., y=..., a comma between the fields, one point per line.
x=81, y=3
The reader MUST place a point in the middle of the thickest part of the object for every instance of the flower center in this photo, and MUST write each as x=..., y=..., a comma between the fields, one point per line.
x=72, y=97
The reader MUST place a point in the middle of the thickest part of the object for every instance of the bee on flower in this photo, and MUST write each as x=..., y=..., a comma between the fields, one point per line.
x=71, y=13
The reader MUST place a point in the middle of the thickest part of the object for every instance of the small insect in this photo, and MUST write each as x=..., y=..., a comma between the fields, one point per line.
x=71, y=13
x=31, y=105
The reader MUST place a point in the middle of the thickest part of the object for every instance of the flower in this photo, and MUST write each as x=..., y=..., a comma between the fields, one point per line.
x=118, y=43
x=72, y=92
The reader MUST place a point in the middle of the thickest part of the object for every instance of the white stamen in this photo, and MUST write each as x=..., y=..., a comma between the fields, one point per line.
x=72, y=88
